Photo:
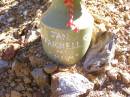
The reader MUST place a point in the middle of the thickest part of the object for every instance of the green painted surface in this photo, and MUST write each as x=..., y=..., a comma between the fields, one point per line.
x=60, y=43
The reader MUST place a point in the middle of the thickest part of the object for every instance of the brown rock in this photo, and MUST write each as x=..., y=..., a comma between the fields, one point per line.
x=128, y=60
x=20, y=87
x=20, y=69
x=126, y=90
x=7, y=95
x=28, y=94
x=113, y=73
x=101, y=27
x=125, y=76
x=12, y=84
x=40, y=77
x=35, y=61
x=27, y=80
x=50, y=68
x=15, y=94
x=9, y=53
x=37, y=94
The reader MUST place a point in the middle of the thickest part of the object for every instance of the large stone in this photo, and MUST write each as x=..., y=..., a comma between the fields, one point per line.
x=40, y=77
x=100, y=53
x=3, y=65
x=66, y=84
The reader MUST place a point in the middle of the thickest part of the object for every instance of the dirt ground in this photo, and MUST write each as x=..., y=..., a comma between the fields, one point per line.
x=20, y=43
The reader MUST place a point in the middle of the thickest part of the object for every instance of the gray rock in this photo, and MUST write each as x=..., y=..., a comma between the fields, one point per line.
x=40, y=77
x=3, y=65
x=100, y=53
x=66, y=84
x=50, y=68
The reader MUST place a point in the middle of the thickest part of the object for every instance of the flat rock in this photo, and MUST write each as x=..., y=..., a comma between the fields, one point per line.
x=40, y=77
x=100, y=53
x=66, y=84
x=3, y=65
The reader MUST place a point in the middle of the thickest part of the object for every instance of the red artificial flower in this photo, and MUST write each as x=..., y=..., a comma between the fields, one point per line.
x=69, y=4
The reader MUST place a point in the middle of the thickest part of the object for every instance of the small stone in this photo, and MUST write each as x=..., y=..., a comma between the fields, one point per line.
x=125, y=76
x=16, y=46
x=25, y=12
x=128, y=60
x=27, y=80
x=113, y=94
x=28, y=94
x=120, y=1
x=111, y=7
x=35, y=61
x=97, y=94
x=30, y=89
x=113, y=73
x=32, y=36
x=126, y=90
x=20, y=87
x=114, y=62
x=11, y=19
x=20, y=69
x=121, y=22
x=127, y=7
x=104, y=93
x=2, y=92
x=3, y=65
x=37, y=94
x=40, y=77
x=50, y=68
x=127, y=16
x=15, y=94
x=98, y=19
x=7, y=95
x=9, y=53
x=66, y=84
x=12, y=84
x=102, y=27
